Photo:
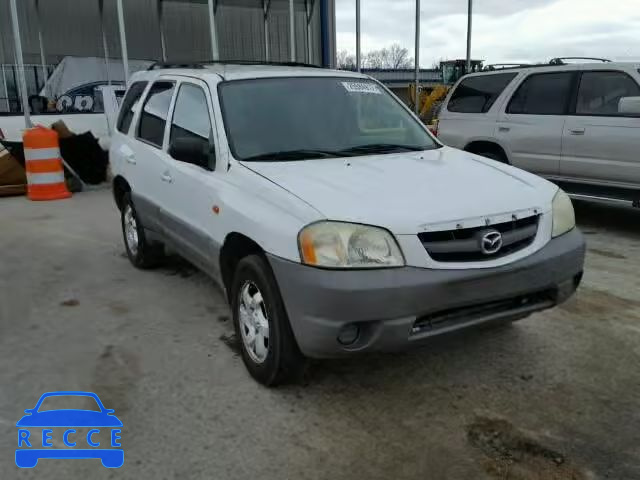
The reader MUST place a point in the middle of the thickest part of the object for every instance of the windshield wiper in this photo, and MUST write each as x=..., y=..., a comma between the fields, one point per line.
x=292, y=155
x=380, y=148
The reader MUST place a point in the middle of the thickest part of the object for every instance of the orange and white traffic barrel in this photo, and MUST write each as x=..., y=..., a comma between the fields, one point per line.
x=43, y=163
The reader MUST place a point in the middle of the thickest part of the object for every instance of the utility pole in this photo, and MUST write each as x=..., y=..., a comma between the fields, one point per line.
x=417, y=60
x=469, y=18
x=358, y=53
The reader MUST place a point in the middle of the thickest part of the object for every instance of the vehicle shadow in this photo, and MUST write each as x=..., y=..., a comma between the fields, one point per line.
x=424, y=364
x=594, y=216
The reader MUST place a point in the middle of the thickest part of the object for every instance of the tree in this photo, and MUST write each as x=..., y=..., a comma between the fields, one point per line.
x=394, y=57
x=345, y=60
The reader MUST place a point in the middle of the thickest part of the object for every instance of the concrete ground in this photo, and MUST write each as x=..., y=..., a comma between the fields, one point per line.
x=555, y=396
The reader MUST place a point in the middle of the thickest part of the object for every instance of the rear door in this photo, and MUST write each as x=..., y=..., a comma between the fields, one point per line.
x=531, y=124
x=599, y=143
x=146, y=156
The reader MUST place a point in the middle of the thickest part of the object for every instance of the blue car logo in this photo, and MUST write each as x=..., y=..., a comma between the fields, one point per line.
x=29, y=452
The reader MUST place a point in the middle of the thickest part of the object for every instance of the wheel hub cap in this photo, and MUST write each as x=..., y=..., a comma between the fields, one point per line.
x=131, y=230
x=254, y=324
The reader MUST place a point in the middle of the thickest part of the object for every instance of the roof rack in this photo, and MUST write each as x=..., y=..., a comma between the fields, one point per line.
x=162, y=65
x=561, y=60
x=505, y=66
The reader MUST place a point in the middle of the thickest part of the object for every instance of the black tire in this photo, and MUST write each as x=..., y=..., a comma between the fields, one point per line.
x=284, y=363
x=146, y=255
x=498, y=157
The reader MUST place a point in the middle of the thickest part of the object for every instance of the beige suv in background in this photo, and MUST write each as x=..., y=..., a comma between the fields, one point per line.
x=575, y=124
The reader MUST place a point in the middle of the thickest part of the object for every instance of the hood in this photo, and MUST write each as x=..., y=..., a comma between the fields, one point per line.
x=406, y=192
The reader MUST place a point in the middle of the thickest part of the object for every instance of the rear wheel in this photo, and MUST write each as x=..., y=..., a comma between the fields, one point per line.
x=268, y=347
x=141, y=253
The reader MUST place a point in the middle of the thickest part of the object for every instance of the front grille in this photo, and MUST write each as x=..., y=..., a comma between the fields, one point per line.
x=453, y=317
x=464, y=244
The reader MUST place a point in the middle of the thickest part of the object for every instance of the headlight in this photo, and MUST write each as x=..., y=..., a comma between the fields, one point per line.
x=564, y=218
x=348, y=245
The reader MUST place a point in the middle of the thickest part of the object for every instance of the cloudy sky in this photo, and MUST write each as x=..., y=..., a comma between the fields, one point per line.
x=503, y=30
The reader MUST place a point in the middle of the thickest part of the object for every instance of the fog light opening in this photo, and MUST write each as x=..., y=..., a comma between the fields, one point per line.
x=349, y=334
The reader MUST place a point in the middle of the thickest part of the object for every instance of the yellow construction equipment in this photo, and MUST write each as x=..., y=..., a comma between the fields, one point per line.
x=430, y=98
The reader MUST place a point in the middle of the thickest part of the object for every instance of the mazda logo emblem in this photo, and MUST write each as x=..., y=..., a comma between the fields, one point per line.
x=490, y=242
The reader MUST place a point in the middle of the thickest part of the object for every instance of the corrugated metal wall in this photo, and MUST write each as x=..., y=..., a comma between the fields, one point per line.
x=72, y=27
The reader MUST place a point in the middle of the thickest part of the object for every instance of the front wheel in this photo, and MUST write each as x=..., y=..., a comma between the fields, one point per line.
x=269, y=349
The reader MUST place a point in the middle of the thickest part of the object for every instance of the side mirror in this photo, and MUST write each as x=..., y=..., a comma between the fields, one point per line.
x=196, y=151
x=629, y=106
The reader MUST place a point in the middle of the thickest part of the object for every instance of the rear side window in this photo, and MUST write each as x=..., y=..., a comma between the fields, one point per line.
x=600, y=92
x=128, y=105
x=153, y=117
x=478, y=94
x=542, y=94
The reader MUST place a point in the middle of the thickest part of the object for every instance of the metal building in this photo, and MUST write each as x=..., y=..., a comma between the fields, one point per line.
x=178, y=30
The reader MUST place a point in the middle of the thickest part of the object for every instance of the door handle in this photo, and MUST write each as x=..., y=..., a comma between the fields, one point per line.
x=577, y=131
x=166, y=177
x=128, y=154
x=504, y=129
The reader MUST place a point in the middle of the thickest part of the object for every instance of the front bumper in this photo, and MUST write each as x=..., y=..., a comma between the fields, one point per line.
x=395, y=309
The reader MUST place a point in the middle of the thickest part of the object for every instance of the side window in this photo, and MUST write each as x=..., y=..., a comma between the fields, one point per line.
x=477, y=94
x=191, y=115
x=542, y=94
x=153, y=117
x=128, y=106
x=600, y=92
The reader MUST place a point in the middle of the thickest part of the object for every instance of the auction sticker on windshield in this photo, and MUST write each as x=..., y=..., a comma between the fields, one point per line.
x=361, y=87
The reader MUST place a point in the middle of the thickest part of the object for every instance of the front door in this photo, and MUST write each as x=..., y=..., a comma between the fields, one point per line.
x=600, y=143
x=193, y=209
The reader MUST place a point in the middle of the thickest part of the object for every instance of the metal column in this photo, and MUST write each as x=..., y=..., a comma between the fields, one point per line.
x=265, y=10
x=469, y=17
x=18, y=51
x=43, y=60
x=105, y=45
x=292, y=33
x=417, y=60
x=4, y=76
x=212, y=29
x=358, y=59
x=123, y=41
x=309, y=6
x=6, y=89
x=163, y=45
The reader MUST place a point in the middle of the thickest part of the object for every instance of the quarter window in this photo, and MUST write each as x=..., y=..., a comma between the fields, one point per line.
x=477, y=94
x=154, y=113
x=542, y=94
x=129, y=103
x=600, y=92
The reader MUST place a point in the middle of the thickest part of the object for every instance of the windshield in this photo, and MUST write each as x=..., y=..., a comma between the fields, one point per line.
x=311, y=117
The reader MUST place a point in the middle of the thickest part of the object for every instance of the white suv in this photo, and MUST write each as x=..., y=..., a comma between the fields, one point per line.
x=577, y=125
x=331, y=217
